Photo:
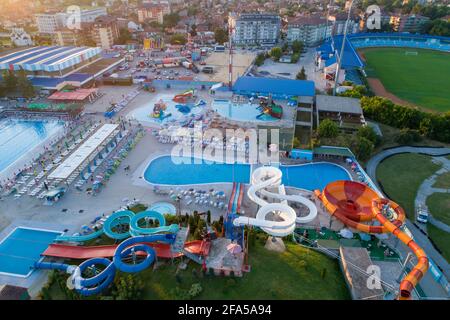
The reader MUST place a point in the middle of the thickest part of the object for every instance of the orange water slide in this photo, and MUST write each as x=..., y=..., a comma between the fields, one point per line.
x=354, y=203
x=82, y=252
x=182, y=98
x=241, y=196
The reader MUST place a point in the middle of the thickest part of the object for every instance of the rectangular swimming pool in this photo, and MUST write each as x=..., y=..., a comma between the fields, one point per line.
x=22, y=248
x=19, y=137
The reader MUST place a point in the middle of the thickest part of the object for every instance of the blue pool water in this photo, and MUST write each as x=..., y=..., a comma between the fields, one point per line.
x=312, y=176
x=22, y=248
x=17, y=137
x=163, y=208
x=239, y=112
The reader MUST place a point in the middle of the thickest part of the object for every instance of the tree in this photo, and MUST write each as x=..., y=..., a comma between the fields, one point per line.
x=124, y=36
x=276, y=53
x=260, y=58
x=297, y=46
x=368, y=133
x=328, y=129
x=363, y=148
x=220, y=35
x=193, y=31
x=178, y=38
x=171, y=20
x=301, y=75
x=208, y=217
x=10, y=80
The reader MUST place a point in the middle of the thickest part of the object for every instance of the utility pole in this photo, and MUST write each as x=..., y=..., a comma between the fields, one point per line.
x=339, y=57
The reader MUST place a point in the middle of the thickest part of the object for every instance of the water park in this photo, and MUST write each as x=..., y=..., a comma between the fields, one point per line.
x=107, y=200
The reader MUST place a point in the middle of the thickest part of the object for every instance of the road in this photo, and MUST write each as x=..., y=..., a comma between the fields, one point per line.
x=419, y=237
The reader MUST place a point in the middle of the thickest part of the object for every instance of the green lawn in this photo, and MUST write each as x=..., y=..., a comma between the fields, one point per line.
x=401, y=175
x=443, y=181
x=439, y=205
x=420, y=79
x=294, y=274
x=441, y=239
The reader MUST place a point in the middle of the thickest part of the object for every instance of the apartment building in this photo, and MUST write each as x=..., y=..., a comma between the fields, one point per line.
x=48, y=23
x=408, y=22
x=105, y=32
x=338, y=21
x=255, y=28
x=310, y=30
x=151, y=12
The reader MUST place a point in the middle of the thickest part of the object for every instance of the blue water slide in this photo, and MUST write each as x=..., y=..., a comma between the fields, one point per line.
x=80, y=238
x=137, y=230
x=117, y=218
x=99, y=282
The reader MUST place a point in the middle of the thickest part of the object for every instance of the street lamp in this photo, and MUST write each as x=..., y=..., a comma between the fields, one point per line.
x=339, y=57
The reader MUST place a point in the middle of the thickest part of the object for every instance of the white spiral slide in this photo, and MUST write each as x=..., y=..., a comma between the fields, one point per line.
x=264, y=178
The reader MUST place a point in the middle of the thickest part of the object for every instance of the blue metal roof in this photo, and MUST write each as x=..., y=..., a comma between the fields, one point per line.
x=52, y=83
x=330, y=61
x=274, y=86
x=49, y=59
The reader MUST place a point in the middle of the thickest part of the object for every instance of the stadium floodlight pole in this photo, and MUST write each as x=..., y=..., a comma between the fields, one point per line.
x=339, y=57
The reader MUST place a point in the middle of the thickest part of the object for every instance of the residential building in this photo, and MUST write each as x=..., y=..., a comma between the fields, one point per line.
x=339, y=20
x=310, y=30
x=150, y=12
x=408, y=22
x=105, y=31
x=255, y=28
x=48, y=23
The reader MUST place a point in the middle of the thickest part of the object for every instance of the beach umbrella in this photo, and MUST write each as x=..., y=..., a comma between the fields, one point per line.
x=234, y=248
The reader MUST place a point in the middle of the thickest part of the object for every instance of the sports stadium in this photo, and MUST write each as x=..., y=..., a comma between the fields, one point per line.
x=406, y=68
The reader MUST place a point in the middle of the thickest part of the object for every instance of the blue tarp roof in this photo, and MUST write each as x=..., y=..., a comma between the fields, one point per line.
x=54, y=82
x=350, y=57
x=275, y=86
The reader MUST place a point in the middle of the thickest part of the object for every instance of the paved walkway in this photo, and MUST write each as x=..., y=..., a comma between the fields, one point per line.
x=426, y=189
x=418, y=234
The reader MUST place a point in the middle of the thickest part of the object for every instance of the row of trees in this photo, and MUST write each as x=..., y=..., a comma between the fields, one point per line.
x=435, y=126
x=362, y=143
x=16, y=84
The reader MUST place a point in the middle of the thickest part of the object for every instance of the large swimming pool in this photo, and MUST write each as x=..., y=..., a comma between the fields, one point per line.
x=164, y=171
x=240, y=112
x=22, y=248
x=19, y=137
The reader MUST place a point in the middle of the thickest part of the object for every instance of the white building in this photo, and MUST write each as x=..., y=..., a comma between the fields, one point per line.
x=20, y=38
x=49, y=22
x=309, y=30
x=257, y=28
x=338, y=21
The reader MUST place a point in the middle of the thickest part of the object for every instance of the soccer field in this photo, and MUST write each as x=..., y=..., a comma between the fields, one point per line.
x=421, y=79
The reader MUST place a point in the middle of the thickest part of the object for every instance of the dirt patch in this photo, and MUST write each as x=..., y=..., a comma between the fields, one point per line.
x=379, y=90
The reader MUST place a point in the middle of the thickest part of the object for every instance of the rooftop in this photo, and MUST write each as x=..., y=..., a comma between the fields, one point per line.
x=338, y=104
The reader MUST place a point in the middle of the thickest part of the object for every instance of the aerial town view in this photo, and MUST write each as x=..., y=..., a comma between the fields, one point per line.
x=224, y=150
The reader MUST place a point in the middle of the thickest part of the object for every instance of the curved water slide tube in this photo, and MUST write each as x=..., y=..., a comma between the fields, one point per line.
x=265, y=178
x=101, y=280
x=354, y=203
x=125, y=217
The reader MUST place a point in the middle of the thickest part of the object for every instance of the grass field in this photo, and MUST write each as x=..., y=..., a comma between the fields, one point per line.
x=295, y=274
x=401, y=176
x=420, y=79
x=439, y=205
x=441, y=239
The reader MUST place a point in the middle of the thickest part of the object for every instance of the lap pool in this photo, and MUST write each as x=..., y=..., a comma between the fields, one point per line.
x=164, y=171
x=22, y=248
x=19, y=137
